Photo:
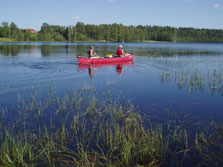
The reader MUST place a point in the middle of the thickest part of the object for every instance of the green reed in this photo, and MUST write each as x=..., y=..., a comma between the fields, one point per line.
x=210, y=145
x=209, y=82
x=83, y=130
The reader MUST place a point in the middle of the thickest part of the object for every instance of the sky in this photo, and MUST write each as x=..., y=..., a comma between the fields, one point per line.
x=175, y=13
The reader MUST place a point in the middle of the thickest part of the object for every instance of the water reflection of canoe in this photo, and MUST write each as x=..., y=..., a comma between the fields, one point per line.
x=98, y=66
x=105, y=60
x=119, y=66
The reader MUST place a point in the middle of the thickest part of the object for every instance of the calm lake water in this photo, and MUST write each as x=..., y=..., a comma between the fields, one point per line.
x=178, y=77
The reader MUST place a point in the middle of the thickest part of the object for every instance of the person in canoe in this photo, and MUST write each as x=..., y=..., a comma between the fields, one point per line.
x=91, y=52
x=120, y=52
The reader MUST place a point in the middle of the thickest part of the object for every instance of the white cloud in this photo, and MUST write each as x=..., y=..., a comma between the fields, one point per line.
x=111, y=0
x=76, y=17
x=217, y=5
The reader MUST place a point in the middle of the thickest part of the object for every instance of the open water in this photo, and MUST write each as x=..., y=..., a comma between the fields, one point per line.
x=175, y=77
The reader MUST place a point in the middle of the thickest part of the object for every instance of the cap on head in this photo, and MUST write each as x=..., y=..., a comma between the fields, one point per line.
x=120, y=46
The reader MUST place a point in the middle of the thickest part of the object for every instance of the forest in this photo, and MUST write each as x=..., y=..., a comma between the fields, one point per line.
x=109, y=33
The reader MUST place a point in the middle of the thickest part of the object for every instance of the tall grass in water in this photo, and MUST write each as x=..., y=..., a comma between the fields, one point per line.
x=210, y=82
x=81, y=130
x=210, y=145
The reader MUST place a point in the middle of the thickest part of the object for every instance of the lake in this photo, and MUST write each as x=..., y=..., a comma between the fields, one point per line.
x=166, y=104
x=180, y=77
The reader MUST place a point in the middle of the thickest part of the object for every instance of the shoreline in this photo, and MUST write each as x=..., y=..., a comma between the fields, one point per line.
x=13, y=41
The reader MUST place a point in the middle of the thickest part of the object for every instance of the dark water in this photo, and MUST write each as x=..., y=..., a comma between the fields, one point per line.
x=184, y=78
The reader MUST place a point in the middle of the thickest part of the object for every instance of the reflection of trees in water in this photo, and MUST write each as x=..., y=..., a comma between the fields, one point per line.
x=81, y=50
x=66, y=49
x=101, y=50
x=48, y=50
x=10, y=50
x=14, y=50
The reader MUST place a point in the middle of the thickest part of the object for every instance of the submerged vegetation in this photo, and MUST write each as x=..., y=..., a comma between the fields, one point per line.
x=83, y=130
x=110, y=33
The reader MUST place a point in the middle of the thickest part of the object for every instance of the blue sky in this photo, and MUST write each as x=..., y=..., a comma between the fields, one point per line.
x=176, y=13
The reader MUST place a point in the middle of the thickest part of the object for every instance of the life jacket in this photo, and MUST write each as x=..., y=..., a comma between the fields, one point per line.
x=119, y=52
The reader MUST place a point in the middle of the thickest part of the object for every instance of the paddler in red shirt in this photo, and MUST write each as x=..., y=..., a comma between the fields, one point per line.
x=119, y=51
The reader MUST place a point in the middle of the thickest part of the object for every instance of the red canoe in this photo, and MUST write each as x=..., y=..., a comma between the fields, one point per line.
x=105, y=60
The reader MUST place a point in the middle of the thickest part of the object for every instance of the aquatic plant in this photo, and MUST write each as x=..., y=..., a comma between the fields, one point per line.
x=84, y=130
x=209, y=82
x=210, y=145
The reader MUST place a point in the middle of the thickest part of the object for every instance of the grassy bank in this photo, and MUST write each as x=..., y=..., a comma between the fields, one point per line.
x=88, y=41
x=7, y=40
x=82, y=130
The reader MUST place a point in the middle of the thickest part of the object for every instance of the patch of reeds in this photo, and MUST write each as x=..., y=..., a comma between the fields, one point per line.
x=84, y=130
x=209, y=82
x=210, y=145
x=166, y=52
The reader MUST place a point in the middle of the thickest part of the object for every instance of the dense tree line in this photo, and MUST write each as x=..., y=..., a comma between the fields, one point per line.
x=110, y=33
